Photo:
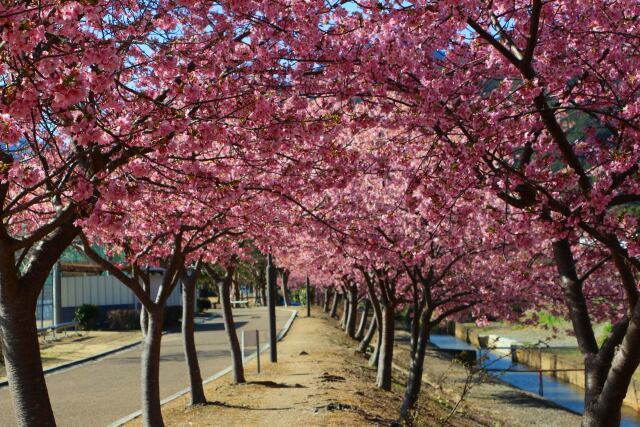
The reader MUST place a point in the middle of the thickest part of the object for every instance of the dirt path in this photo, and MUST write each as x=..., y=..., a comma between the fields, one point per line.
x=319, y=380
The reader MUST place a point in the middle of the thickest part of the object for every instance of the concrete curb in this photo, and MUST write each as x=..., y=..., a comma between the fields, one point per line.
x=214, y=377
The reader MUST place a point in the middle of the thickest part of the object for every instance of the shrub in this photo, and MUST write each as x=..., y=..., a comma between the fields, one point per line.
x=87, y=316
x=607, y=328
x=204, y=304
x=123, y=320
x=547, y=320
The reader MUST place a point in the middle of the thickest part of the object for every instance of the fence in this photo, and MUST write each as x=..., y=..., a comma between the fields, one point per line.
x=106, y=292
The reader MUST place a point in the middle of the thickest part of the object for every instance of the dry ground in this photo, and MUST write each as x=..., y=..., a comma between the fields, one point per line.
x=74, y=347
x=319, y=380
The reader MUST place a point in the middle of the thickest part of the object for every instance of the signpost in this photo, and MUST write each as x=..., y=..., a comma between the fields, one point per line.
x=57, y=294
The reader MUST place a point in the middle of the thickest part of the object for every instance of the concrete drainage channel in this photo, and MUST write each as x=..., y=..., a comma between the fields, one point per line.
x=214, y=377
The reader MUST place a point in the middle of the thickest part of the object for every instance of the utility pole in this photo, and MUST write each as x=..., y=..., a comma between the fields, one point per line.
x=57, y=294
x=271, y=307
x=308, y=299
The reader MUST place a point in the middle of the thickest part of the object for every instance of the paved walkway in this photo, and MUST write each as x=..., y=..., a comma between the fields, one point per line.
x=98, y=393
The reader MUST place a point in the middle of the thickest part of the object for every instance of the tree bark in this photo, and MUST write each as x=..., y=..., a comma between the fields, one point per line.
x=334, y=304
x=414, y=382
x=151, y=410
x=387, y=336
x=363, y=319
x=364, y=344
x=345, y=309
x=230, y=327
x=377, y=314
x=19, y=338
x=189, y=343
x=352, y=314
x=325, y=300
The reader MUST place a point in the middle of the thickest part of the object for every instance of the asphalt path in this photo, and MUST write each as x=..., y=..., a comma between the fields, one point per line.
x=100, y=392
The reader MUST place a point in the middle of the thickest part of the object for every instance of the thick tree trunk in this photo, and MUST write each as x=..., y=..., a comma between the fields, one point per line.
x=363, y=319
x=232, y=336
x=414, y=382
x=352, y=313
x=151, y=412
x=334, y=304
x=366, y=340
x=144, y=321
x=325, y=300
x=189, y=343
x=21, y=350
x=383, y=380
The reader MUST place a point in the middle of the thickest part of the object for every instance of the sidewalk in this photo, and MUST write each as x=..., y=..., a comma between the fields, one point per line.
x=319, y=380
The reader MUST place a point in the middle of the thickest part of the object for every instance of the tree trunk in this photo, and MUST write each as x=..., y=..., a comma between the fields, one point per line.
x=415, y=327
x=284, y=289
x=189, y=343
x=383, y=380
x=263, y=294
x=334, y=304
x=21, y=349
x=374, y=359
x=607, y=382
x=236, y=290
x=325, y=300
x=377, y=315
x=609, y=369
x=151, y=411
x=232, y=336
x=414, y=382
x=363, y=319
x=345, y=309
x=352, y=314
x=364, y=344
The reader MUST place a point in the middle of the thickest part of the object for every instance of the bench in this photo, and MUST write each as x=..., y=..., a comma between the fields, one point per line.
x=60, y=327
x=240, y=304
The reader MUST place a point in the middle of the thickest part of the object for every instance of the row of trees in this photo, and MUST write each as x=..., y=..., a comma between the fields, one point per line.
x=452, y=156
